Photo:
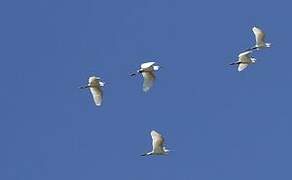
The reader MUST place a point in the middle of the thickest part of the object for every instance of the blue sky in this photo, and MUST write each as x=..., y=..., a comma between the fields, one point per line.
x=221, y=124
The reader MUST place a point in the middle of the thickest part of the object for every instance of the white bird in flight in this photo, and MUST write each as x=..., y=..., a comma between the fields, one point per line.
x=157, y=145
x=244, y=59
x=148, y=72
x=94, y=85
x=260, y=39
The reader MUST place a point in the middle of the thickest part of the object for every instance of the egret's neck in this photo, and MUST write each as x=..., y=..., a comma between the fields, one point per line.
x=150, y=153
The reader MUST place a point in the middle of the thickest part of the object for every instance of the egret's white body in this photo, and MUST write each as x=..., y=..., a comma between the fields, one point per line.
x=244, y=59
x=148, y=72
x=260, y=39
x=157, y=145
x=94, y=85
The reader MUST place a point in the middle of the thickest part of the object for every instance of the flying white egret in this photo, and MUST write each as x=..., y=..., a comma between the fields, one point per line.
x=94, y=85
x=260, y=39
x=244, y=59
x=157, y=145
x=148, y=72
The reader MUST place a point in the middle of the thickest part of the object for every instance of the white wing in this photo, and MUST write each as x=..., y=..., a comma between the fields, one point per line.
x=259, y=35
x=93, y=80
x=242, y=66
x=95, y=89
x=149, y=78
x=147, y=65
x=96, y=94
x=157, y=142
x=245, y=57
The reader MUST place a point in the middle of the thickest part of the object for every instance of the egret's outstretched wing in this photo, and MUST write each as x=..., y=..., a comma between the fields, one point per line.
x=95, y=89
x=149, y=78
x=242, y=66
x=259, y=36
x=245, y=57
x=147, y=65
x=157, y=142
x=96, y=94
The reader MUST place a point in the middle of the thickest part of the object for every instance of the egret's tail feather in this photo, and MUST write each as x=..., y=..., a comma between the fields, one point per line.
x=268, y=45
x=101, y=83
x=166, y=150
x=156, y=68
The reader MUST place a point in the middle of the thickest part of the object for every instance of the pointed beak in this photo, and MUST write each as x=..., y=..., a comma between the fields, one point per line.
x=133, y=74
x=83, y=87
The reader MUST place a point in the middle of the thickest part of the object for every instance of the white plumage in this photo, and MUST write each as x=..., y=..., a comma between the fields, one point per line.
x=148, y=72
x=260, y=39
x=149, y=78
x=241, y=67
x=157, y=145
x=94, y=85
x=244, y=59
x=147, y=65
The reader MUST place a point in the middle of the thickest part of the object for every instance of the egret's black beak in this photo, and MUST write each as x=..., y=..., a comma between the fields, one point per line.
x=234, y=63
x=83, y=87
x=133, y=74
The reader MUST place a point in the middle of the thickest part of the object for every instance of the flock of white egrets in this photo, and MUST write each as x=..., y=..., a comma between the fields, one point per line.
x=148, y=69
x=244, y=59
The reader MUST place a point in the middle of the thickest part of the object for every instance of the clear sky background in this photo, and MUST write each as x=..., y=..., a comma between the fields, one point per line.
x=221, y=124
